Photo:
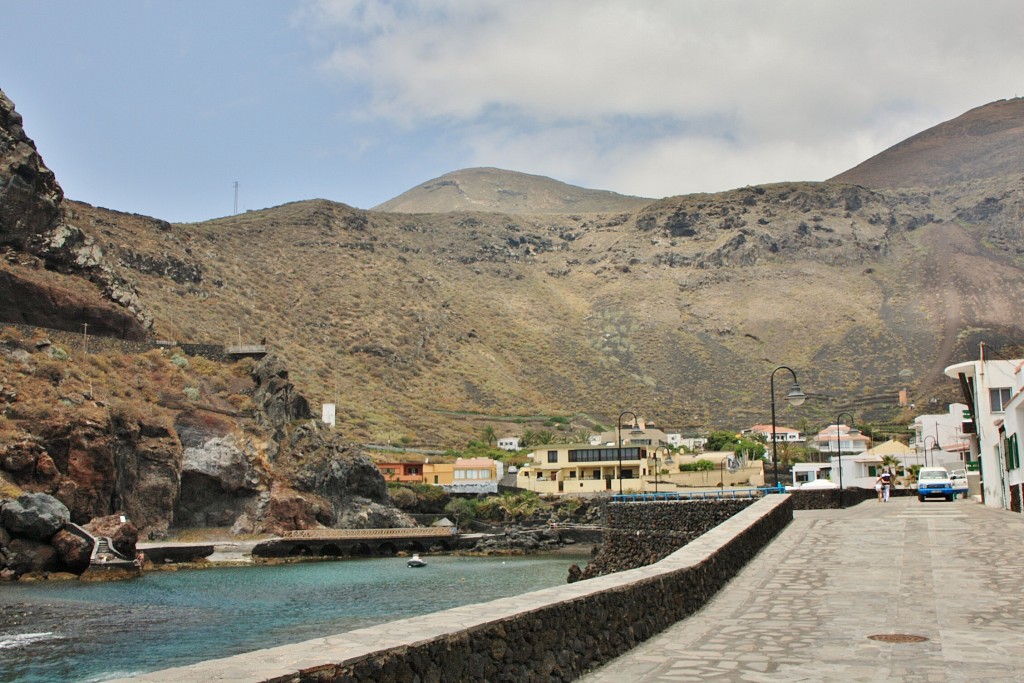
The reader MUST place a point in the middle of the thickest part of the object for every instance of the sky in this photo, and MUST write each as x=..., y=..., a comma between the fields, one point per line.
x=159, y=107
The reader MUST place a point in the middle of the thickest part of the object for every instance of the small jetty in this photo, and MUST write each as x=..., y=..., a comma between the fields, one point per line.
x=359, y=542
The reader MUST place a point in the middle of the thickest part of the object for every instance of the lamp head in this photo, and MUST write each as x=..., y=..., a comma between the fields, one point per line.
x=796, y=396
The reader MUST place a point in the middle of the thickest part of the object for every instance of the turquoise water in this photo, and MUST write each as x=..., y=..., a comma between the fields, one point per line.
x=72, y=631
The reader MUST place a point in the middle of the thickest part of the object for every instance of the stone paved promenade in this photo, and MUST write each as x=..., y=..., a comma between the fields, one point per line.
x=805, y=608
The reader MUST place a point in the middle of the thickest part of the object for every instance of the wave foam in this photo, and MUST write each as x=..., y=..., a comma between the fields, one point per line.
x=11, y=640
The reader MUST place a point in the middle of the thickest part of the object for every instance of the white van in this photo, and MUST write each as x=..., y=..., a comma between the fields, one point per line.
x=934, y=481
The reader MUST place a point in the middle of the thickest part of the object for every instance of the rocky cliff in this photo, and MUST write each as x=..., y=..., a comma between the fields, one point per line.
x=172, y=441
x=36, y=236
x=167, y=440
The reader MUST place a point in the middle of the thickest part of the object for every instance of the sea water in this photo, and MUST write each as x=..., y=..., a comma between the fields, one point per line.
x=77, y=631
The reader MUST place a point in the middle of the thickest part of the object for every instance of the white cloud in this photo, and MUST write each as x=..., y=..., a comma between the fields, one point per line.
x=681, y=95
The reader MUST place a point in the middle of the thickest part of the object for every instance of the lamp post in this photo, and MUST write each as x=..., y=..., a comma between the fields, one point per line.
x=795, y=397
x=667, y=460
x=934, y=446
x=839, y=450
x=618, y=432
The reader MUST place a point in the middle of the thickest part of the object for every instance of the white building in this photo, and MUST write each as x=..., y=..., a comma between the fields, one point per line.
x=782, y=434
x=939, y=439
x=860, y=470
x=991, y=386
x=1012, y=435
x=509, y=443
x=840, y=439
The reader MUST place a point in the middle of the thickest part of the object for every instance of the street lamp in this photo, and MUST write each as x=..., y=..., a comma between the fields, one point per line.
x=618, y=432
x=839, y=450
x=795, y=397
x=935, y=445
x=667, y=460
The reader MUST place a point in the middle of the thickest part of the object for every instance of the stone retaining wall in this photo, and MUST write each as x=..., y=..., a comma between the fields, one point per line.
x=78, y=342
x=828, y=499
x=642, y=533
x=555, y=634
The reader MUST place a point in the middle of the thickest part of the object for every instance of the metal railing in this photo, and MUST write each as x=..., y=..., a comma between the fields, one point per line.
x=718, y=494
x=331, y=534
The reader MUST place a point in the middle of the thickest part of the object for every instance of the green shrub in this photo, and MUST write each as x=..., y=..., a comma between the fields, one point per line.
x=701, y=465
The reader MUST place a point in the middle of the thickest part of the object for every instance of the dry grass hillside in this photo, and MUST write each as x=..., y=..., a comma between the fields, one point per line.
x=679, y=311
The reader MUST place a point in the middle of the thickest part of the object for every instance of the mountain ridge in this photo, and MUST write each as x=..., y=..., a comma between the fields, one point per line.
x=678, y=309
x=496, y=190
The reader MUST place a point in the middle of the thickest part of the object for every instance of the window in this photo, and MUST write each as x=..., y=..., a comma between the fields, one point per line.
x=602, y=454
x=1011, y=452
x=998, y=398
x=552, y=456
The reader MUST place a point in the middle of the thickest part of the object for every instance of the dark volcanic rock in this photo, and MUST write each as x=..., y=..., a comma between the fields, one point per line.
x=36, y=516
x=73, y=550
x=27, y=556
x=276, y=401
x=29, y=194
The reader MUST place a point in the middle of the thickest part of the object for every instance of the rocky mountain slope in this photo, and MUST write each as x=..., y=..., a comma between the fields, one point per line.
x=499, y=191
x=986, y=143
x=429, y=326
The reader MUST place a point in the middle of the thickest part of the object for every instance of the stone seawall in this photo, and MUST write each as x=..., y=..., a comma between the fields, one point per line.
x=638, y=534
x=555, y=634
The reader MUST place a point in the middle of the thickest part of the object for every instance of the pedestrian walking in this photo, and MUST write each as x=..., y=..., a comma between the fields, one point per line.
x=886, y=485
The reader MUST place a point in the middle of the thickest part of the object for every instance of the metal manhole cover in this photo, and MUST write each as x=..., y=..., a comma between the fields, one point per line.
x=898, y=638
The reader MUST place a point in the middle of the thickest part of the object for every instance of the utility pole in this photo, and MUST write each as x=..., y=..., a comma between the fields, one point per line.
x=85, y=337
x=236, y=199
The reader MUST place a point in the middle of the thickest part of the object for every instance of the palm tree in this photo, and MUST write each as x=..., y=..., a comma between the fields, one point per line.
x=545, y=437
x=490, y=437
x=891, y=462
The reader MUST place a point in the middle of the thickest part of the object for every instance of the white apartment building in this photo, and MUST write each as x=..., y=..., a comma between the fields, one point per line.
x=840, y=439
x=782, y=434
x=991, y=389
x=939, y=439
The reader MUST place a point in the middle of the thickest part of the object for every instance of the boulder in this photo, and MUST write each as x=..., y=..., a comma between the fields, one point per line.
x=32, y=556
x=73, y=550
x=118, y=529
x=36, y=516
x=275, y=399
x=222, y=460
x=289, y=510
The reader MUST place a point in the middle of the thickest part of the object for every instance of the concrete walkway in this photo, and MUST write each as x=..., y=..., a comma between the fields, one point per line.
x=806, y=607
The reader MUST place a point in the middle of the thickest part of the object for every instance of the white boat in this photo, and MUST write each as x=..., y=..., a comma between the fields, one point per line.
x=416, y=561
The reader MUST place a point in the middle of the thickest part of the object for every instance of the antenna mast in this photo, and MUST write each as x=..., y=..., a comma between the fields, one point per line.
x=236, y=199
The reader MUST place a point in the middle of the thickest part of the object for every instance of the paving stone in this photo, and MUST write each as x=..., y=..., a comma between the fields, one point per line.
x=802, y=610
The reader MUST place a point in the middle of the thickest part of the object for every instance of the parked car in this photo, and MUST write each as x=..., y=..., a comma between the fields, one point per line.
x=959, y=479
x=933, y=482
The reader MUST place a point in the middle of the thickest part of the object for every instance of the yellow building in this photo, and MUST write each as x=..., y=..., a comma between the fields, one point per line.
x=438, y=473
x=583, y=468
x=463, y=472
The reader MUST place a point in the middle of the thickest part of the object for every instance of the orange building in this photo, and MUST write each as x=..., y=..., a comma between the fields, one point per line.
x=402, y=471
